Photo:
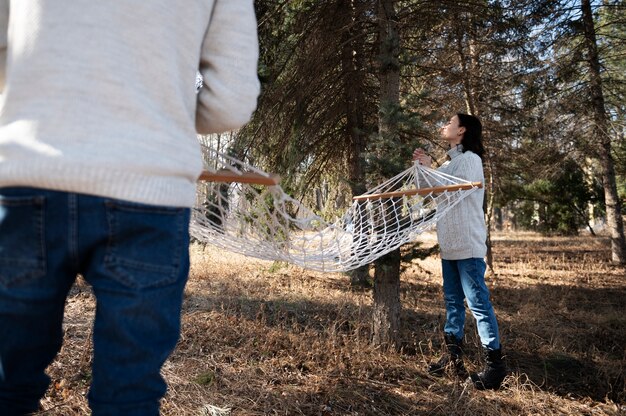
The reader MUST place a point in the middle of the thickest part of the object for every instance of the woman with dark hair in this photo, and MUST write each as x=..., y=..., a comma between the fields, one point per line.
x=462, y=239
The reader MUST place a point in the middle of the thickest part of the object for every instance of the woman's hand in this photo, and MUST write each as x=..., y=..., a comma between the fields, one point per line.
x=422, y=158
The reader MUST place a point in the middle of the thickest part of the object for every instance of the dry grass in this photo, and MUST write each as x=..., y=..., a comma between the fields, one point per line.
x=266, y=339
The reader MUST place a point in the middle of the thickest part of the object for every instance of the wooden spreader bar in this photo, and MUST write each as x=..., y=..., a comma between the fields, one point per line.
x=225, y=175
x=420, y=191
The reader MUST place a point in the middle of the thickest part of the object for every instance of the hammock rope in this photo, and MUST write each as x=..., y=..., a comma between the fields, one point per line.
x=243, y=209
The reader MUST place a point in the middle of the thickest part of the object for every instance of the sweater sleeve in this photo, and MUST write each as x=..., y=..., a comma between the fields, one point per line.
x=4, y=29
x=228, y=64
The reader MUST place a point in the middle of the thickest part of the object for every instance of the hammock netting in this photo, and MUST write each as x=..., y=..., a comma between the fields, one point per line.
x=262, y=221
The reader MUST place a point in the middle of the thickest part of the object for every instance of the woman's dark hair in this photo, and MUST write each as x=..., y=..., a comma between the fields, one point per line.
x=472, y=138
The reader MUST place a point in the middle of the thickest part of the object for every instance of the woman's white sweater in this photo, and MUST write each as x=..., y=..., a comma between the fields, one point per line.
x=98, y=97
x=462, y=233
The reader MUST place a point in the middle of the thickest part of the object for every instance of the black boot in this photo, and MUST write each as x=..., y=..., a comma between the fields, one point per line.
x=453, y=359
x=493, y=374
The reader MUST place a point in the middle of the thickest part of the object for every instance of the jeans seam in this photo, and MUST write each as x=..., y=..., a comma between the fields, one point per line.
x=41, y=231
x=73, y=229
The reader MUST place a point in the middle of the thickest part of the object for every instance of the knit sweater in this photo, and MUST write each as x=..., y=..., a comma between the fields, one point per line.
x=98, y=97
x=462, y=233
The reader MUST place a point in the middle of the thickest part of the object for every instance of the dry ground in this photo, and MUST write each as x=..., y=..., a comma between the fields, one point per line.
x=266, y=339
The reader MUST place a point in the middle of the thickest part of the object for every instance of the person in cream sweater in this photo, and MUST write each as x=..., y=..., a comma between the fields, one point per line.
x=98, y=168
x=462, y=237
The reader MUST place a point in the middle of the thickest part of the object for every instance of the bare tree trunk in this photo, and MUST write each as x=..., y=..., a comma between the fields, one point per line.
x=353, y=80
x=387, y=269
x=390, y=65
x=470, y=102
x=386, y=315
x=601, y=130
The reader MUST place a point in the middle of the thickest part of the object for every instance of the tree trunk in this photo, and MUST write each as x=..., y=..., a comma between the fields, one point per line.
x=470, y=102
x=386, y=315
x=389, y=39
x=353, y=80
x=601, y=133
x=387, y=268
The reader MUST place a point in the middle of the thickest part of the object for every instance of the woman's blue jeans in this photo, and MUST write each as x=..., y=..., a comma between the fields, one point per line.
x=465, y=279
x=136, y=259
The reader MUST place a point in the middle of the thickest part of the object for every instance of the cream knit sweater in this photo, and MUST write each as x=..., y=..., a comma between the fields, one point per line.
x=98, y=97
x=462, y=233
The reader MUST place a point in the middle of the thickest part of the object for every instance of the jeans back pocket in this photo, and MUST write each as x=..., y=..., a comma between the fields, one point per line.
x=22, y=244
x=147, y=245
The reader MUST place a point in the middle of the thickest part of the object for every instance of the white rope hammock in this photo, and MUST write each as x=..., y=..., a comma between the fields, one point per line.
x=243, y=209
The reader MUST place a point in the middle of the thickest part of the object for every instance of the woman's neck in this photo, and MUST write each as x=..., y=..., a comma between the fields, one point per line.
x=454, y=143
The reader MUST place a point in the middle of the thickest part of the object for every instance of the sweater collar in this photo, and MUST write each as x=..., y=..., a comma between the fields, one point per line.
x=455, y=151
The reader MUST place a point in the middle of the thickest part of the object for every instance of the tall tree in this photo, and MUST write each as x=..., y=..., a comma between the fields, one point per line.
x=602, y=135
x=610, y=30
x=386, y=314
x=354, y=84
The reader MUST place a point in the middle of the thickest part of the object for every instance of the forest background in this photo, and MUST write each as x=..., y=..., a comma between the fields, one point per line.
x=351, y=87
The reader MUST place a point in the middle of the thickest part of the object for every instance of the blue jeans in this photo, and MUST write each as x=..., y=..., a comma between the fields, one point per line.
x=465, y=279
x=136, y=259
